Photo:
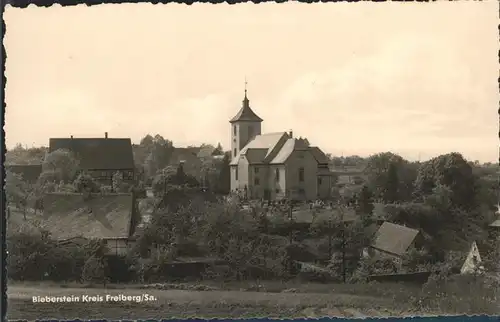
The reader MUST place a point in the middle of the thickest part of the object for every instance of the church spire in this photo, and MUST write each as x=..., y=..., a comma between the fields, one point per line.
x=246, y=102
x=246, y=113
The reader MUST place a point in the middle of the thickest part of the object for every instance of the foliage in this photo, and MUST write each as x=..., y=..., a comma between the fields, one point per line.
x=21, y=155
x=118, y=184
x=86, y=183
x=62, y=162
x=461, y=294
x=171, y=176
x=452, y=171
x=15, y=188
x=365, y=206
x=94, y=270
x=417, y=260
x=158, y=152
x=390, y=177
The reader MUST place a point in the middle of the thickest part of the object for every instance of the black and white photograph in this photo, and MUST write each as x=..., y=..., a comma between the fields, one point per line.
x=268, y=160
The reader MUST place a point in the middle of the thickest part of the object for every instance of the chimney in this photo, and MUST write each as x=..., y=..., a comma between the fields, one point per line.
x=290, y=133
x=105, y=135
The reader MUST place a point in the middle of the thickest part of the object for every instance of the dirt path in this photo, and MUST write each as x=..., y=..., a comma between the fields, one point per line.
x=182, y=304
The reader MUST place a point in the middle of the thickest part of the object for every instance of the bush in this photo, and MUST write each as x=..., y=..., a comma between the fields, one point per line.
x=461, y=294
x=94, y=270
x=65, y=262
x=34, y=257
x=121, y=269
x=27, y=256
x=86, y=183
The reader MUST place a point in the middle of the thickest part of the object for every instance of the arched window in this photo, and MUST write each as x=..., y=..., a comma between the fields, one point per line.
x=235, y=153
x=234, y=130
x=277, y=174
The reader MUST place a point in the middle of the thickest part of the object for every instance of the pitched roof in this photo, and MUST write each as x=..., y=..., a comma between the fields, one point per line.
x=184, y=154
x=29, y=172
x=319, y=155
x=394, y=239
x=102, y=216
x=267, y=142
x=285, y=152
x=255, y=156
x=98, y=153
x=246, y=113
x=496, y=223
x=457, y=257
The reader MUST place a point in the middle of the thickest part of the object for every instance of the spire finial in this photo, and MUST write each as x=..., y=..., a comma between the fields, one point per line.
x=246, y=87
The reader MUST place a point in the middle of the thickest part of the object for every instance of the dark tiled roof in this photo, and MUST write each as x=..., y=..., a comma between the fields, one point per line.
x=246, y=113
x=184, y=154
x=29, y=172
x=102, y=216
x=98, y=153
x=319, y=155
x=394, y=239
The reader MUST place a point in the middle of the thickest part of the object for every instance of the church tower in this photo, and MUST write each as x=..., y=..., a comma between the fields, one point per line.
x=244, y=126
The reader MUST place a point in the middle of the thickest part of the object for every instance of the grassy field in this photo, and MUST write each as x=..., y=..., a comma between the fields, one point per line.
x=184, y=304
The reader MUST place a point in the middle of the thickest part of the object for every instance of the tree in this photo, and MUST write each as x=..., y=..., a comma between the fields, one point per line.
x=365, y=204
x=390, y=192
x=118, y=184
x=19, y=192
x=172, y=176
x=450, y=170
x=94, y=270
x=156, y=152
x=86, y=183
x=14, y=188
x=218, y=150
x=224, y=176
x=63, y=163
x=386, y=169
x=21, y=155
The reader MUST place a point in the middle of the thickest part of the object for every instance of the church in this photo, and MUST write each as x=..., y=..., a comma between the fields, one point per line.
x=274, y=166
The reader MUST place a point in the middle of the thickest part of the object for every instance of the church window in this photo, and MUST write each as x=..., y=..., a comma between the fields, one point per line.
x=277, y=175
x=234, y=129
x=256, y=181
x=235, y=153
x=256, y=170
x=301, y=174
x=236, y=173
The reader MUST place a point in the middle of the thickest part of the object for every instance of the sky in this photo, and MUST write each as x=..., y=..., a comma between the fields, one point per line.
x=417, y=79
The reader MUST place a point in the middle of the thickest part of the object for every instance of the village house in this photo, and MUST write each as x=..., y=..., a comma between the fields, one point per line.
x=72, y=218
x=393, y=241
x=275, y=165
x=465, y=261
x=100, y=157
x=29, y=172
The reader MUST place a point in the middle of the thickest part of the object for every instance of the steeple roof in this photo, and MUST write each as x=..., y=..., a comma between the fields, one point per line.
x=246, y=113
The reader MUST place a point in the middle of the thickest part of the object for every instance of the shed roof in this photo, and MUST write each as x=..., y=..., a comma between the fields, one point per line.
x=394, y=239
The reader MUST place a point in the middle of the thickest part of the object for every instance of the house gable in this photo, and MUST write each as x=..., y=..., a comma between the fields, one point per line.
x=472, y=260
